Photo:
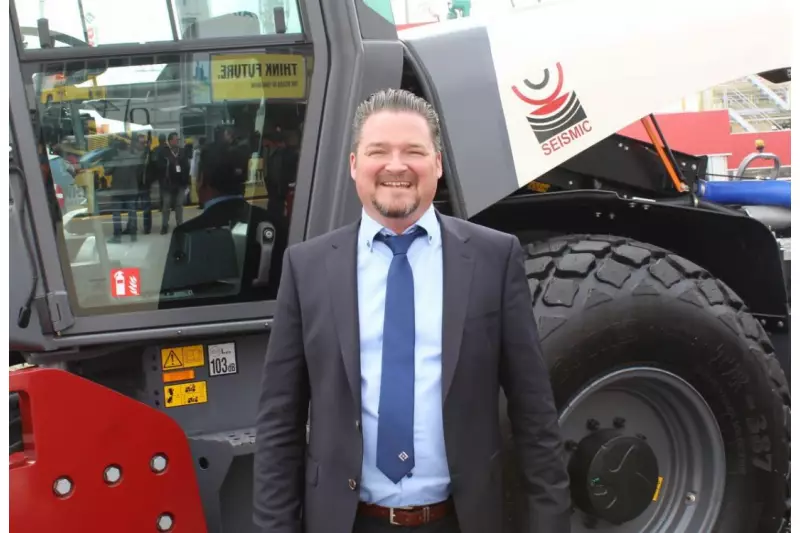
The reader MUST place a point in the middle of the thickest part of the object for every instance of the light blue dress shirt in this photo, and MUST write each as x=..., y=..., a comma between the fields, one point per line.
x=429, y=481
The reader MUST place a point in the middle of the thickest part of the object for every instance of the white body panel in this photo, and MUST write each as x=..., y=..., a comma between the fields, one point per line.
x=620, y=60
x=624, y=59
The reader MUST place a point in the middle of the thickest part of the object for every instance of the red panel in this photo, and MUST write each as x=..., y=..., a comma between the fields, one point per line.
x=76, y=428
x=401, y=27
x=696, y=133
x=777, y=142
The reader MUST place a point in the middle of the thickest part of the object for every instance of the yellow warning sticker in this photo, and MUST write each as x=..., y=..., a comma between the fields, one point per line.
x=185, y=394
x=658, y=488
x=183, y=357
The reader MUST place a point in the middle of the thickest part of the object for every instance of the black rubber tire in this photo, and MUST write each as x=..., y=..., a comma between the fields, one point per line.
x=603, y=303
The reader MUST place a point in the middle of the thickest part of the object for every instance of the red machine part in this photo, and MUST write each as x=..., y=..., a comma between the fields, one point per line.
x=60, y=196
x=97, y=447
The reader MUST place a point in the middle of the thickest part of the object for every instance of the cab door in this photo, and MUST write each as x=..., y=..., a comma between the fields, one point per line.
x=152, y=246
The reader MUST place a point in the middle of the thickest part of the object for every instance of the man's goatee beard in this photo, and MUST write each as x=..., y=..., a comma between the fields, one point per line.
x=395, y=213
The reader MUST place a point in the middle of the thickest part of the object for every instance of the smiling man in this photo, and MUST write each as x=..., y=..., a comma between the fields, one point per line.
x=402, y=327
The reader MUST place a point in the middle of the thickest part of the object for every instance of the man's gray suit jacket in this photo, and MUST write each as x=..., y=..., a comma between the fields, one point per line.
x=489, y=340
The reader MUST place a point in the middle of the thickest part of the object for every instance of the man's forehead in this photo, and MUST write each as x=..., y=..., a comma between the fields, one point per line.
x=395, y=116
x=403, y=142
x=396, y=128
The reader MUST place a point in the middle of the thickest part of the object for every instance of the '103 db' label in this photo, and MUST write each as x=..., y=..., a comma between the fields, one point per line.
x=222, y=359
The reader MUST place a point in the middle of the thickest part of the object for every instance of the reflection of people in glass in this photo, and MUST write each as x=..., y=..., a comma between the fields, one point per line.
x=221, y=176
x=199, y=71
x=174, y=181
x=47, y=174
x=281, y=169
x=194, y=164
x=126, y=170
x=189, y=153
x=220, y=190
x=144, y=182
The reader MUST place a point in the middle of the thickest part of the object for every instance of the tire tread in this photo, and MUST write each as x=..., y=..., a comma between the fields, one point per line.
x=622, y=265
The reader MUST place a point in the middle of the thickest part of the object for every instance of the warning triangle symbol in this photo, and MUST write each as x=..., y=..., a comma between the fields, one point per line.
x=172, y=361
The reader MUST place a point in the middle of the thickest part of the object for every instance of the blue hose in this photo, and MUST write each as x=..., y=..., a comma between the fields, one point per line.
x=747, y=192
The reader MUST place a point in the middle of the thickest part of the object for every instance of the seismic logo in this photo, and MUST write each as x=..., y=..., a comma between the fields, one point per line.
x=558, y=118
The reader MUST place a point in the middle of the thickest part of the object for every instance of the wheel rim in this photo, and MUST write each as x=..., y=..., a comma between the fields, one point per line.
x=665, y=412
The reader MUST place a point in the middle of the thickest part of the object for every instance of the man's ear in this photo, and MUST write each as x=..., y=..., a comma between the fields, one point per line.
x=353, y=165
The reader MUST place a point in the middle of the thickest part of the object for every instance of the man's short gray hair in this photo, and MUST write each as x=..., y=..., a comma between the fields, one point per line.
x=396, y=100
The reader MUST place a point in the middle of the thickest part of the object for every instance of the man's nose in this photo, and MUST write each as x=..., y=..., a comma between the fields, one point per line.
x=396, y=163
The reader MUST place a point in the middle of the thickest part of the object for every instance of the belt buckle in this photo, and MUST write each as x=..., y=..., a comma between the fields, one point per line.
x=392, y=520
x=426, y=515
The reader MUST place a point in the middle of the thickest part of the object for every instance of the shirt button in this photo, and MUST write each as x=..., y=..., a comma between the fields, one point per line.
x=358, y=425
x=352, y=484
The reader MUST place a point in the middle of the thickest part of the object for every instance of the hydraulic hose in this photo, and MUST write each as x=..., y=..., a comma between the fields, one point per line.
x=24, y=316
x=747, y=192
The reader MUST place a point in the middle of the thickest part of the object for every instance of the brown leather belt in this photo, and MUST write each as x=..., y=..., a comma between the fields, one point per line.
x=408, y=516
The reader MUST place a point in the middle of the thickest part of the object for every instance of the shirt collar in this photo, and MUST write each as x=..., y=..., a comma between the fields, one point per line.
x=370, y=228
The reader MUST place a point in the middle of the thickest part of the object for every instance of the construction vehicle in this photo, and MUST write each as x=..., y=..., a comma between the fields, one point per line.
x=660, y=298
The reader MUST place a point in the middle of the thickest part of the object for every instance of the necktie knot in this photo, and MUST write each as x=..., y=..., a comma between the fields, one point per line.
x=399, y=244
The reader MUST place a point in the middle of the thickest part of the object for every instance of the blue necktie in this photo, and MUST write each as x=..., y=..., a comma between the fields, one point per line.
x=396, y=409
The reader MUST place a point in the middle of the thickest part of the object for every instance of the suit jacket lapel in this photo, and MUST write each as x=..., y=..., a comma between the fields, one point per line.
x=342, y=279
x=342, y=276
x=457, y=270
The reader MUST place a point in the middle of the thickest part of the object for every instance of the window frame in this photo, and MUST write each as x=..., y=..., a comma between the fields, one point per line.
x=161, y=47
x=118, y=326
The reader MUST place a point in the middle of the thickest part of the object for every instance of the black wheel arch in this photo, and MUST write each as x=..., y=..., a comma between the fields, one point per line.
x=737, y=249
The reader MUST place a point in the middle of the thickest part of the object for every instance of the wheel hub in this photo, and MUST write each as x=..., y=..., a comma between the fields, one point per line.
x=669, y=419
x=614, y=475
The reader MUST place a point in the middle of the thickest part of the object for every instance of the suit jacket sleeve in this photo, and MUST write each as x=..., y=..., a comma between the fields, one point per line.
x=531, y=408
x=282, y=415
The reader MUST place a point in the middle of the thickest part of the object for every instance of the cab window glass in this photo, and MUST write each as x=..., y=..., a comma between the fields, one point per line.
x=100, y=22
x=175, y=176
x=381, y=7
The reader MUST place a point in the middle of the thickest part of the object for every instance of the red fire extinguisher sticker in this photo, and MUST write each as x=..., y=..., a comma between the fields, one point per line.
x=125, y=282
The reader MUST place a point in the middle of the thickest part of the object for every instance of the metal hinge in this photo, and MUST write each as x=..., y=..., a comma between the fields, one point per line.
x=59, y=310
